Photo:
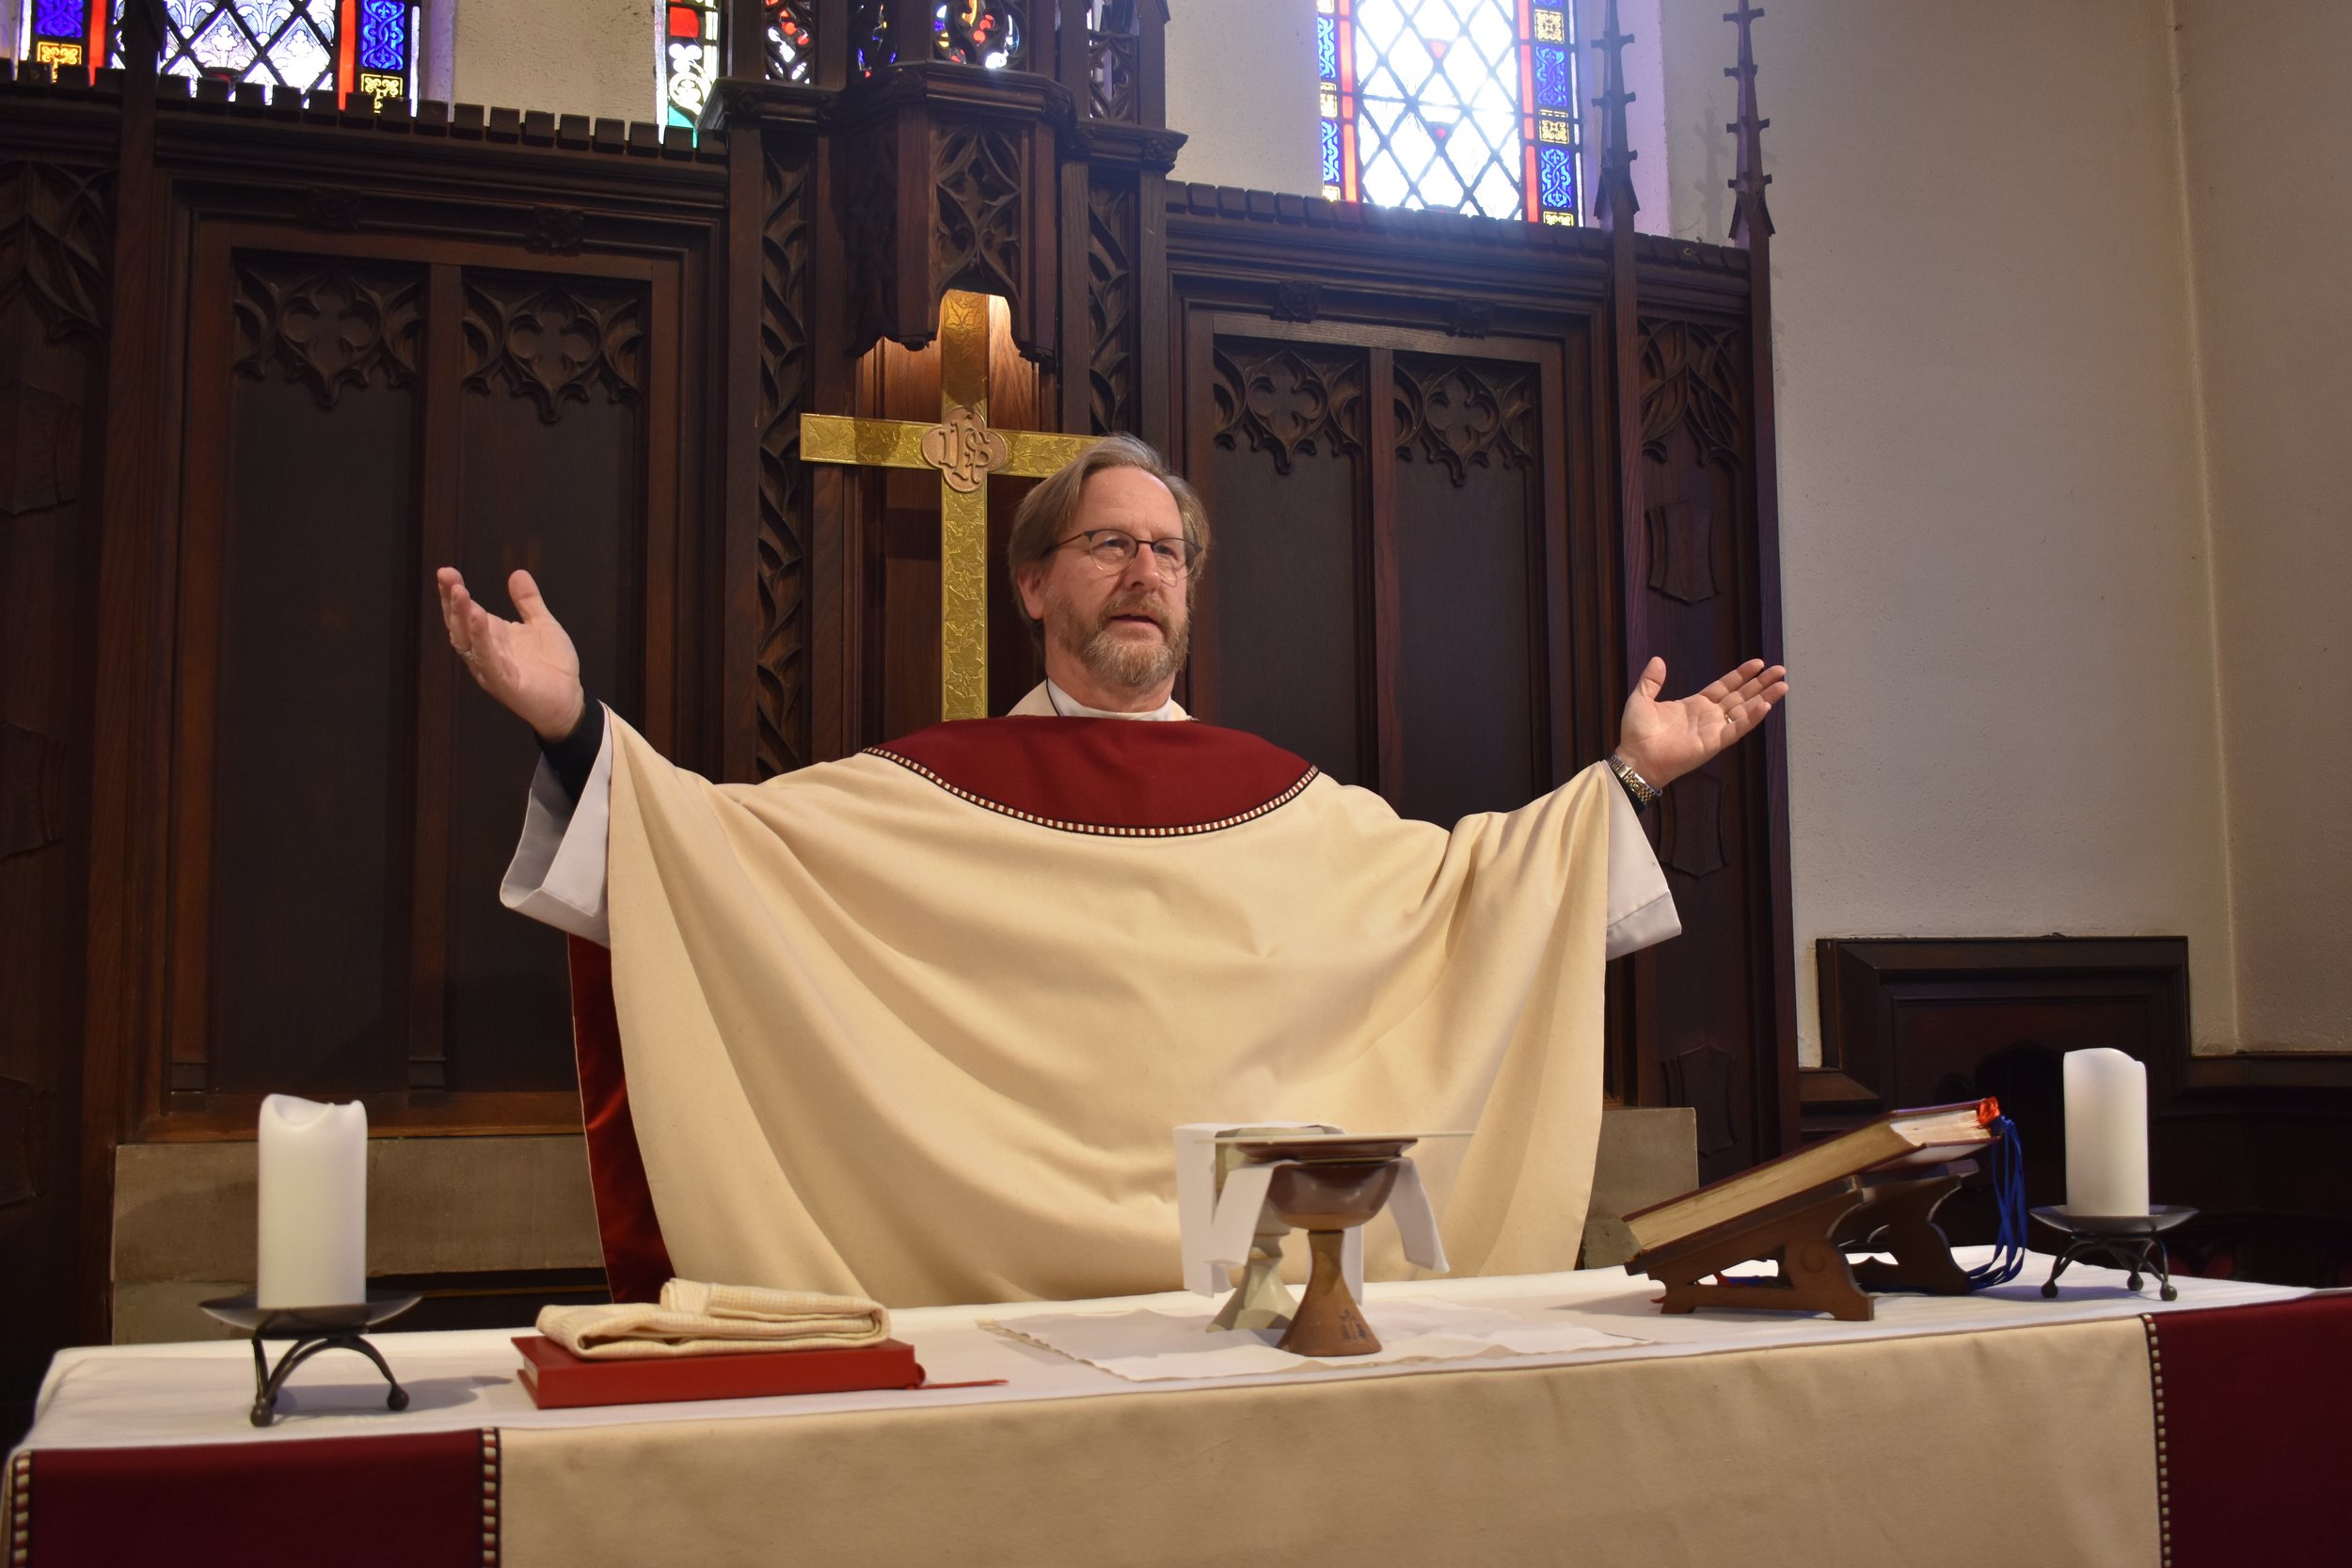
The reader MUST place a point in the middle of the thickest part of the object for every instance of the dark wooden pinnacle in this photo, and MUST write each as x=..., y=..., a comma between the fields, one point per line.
x=1751, y=219
x=1616, y=153
x=139, y=35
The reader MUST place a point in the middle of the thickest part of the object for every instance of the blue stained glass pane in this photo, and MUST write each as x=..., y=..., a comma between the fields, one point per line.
x=384, y=35
x=1551, y=77
x=60, y=18
x=1330, y=153
x=1327, y=47
x=1555, y=171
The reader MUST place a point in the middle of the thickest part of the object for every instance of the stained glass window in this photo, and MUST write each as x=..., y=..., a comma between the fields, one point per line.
x=691, y=52
x=61, y=33
x=339, y=46
x=791, y=50
x=1459, y=106
x=688, y=59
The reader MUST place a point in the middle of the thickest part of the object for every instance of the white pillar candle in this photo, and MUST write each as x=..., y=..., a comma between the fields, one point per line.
x=314, y=1204
x=2107, y=1133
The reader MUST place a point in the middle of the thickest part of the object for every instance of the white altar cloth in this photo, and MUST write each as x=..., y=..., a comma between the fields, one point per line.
x=125, y=1396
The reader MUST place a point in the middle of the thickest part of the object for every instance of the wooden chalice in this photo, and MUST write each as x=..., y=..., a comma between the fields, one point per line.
x=1326, y=1198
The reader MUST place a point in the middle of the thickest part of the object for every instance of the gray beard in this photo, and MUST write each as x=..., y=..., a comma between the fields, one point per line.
x=1129, y=666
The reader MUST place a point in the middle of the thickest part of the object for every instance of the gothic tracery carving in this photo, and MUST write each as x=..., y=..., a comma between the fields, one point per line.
x=978, y=171
x=1458, y=412
x=329, y=326
x=782, y=664
x=56, y=232
x=1111, y=77
x=1111, y=306
x=553, y=343
x=1690, y=376
x=1285, y=399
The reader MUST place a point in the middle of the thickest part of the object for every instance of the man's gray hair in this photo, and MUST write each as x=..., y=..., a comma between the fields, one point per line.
x=1049, y=514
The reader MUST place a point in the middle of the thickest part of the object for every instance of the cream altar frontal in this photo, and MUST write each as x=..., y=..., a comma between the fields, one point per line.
x=920, y=1025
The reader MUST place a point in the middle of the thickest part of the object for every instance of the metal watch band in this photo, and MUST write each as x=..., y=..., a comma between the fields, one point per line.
x=1638, y=788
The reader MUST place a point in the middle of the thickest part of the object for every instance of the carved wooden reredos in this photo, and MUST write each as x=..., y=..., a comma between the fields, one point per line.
x=264, y=362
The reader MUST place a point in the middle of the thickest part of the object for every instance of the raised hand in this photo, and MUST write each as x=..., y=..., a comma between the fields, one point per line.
x=528, y=665
x=1664, y=740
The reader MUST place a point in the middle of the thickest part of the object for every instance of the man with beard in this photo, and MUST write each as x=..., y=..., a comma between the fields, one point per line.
x=916, y=1023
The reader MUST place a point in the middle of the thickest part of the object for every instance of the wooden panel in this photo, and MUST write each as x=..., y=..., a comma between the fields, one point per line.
x=1691, y=559
x=1472, y=686
x=309, y=902
x=53, y=285
x=552, y=464
x=1286, y=598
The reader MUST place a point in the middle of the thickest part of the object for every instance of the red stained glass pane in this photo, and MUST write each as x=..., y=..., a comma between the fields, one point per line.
x=683, y=22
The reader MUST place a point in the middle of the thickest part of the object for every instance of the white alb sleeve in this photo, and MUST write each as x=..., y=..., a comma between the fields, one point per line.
x=557, y=874
x=1640, y=907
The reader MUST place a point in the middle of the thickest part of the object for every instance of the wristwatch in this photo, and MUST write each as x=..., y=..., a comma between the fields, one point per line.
x=1637, y=788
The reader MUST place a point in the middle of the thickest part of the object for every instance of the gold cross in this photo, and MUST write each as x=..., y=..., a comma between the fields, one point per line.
x=965, y=452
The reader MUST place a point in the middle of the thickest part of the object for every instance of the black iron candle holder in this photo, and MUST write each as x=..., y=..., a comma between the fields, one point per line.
x=2128, y=1241
x=313, y=1329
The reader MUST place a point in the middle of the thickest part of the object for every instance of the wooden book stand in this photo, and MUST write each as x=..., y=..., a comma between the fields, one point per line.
x=1808, y=1236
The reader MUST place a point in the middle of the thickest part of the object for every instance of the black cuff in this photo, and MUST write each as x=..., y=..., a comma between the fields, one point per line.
x=574, y=757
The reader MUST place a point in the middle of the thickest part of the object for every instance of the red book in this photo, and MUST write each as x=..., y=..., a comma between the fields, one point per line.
x=558, y=1380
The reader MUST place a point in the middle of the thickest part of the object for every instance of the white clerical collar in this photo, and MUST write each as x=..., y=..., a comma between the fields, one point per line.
x=1070, y=707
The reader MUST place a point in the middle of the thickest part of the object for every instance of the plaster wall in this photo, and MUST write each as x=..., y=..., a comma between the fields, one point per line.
x=1995, y=558
x=591, y=58
x=1241, y=86
x=2268, y=163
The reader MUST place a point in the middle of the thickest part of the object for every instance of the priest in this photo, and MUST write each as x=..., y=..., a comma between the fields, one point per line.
x=916, y=1023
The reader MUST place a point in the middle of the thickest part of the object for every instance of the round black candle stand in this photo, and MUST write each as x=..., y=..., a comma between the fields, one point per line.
x=313, y=1329
x=2128, y=1241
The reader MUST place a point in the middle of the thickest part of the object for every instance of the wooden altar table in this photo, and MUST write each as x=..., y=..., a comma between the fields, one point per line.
x=2105, y=1427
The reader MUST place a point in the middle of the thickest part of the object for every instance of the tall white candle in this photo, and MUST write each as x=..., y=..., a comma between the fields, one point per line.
x=2107, y=1132
x=314, y=1204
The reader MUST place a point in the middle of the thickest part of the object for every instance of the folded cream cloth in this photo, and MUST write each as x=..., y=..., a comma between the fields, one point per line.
x=696, y=1318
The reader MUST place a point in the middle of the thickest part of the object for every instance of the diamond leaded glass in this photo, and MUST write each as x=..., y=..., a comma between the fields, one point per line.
x=1459, y=106
x=290, y=43
x=276, y=43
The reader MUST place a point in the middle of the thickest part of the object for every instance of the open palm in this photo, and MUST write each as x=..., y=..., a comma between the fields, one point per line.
x=1664, y=740
x=530, y=665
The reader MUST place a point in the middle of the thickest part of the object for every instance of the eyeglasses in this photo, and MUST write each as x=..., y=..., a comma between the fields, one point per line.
x=1111, y=549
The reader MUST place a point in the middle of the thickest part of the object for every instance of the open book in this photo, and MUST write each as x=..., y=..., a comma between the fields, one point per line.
x=1922, y=1137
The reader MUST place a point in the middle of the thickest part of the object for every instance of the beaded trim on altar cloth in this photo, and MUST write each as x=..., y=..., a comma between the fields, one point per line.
x=490, y=1497
x=21, y=1511
x=2164, y=1490
x=1105, y=830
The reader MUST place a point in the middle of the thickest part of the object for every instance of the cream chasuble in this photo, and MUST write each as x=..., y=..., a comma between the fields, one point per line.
x=918, y=1024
